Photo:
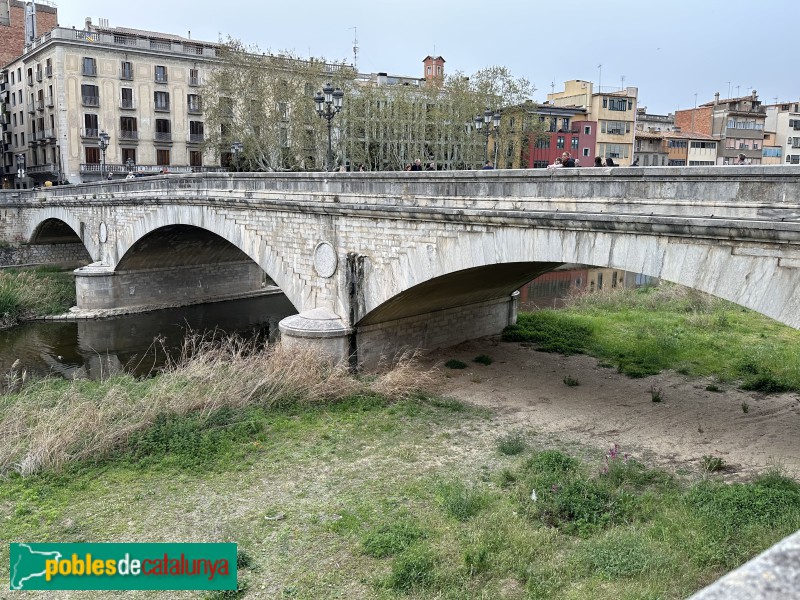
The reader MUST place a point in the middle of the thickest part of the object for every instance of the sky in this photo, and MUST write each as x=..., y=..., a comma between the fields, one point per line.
x=677, y=52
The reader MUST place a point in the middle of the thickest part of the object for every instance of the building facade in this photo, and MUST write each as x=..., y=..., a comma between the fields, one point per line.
x=738, y=124
x=685, y=148
x=614, y=112
x=13, y=27
x=562, y=129
x=72, y=88
x=782, y=134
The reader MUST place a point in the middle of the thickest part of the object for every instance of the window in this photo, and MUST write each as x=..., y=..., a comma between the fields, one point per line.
x=565, y=124
x=163, y=131
x=587, y=130
x=574, y=143
x=89, y=67
x=586, y=152
x=162, y=158
x=618, y=104
x=543, y=143
x=126, y=70
x=194, y=77
x=90, y=95
x=196, y=131
x=560, y=142
x=283, y=110
x=704, y=145
x=161, y=100
x=127, y=128
x=677, y=144
x=193, y=103
x=92, y=155
x=127, y=98
x=161, y=74
x=676, y=163
x=615, y=127
x=195, y=158
x=48, y=69
x=90, y=128
x=128, y=153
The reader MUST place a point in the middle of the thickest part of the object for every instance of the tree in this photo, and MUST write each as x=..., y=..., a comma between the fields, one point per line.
x=265, y=101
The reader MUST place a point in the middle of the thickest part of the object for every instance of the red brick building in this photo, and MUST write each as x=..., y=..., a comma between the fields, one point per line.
x=12, y=26
x=566, y=130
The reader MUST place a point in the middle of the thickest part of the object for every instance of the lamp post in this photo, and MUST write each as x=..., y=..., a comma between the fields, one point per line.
x=103, y=143
x=236, y=150
x=489, y=117
x=328, y=102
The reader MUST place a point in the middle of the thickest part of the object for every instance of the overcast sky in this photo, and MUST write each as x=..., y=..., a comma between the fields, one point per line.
x=670, y=50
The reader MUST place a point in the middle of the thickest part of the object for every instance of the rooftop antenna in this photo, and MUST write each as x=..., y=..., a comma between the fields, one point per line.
x=622, y=85
x=729, y=89
x=355, y=47
x=599, y=77
x=553, y=86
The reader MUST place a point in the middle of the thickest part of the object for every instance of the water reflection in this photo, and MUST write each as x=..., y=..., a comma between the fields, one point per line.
x=96, y=348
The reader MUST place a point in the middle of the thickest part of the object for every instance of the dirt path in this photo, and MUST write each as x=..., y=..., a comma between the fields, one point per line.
x=607, y=408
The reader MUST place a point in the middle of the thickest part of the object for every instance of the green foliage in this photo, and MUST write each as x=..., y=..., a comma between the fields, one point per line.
x=454, y=363
x=413, y=569
x=461, y=501
x=619, y=555
x=713, y=464
x=391, y=538
x=31, y=293
x=645, y=331
x=483, y=359
x=511, y=444
x=571, y=381
x=550, y=331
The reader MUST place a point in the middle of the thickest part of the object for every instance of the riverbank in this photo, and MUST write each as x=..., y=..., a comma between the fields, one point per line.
x=334, y=486
x=31, y=293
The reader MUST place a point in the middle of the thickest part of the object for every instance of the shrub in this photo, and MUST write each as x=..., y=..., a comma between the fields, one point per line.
x=713, y=464
x=511, y=444
x=571, y=381
x=483, y=359
x=461, y=501
x=455, y=364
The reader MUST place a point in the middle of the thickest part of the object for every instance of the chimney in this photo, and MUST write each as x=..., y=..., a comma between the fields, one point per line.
x=716, y=98
x=754, y=95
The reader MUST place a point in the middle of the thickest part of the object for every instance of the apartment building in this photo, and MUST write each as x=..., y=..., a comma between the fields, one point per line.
x=687, y=148
x=85, y=103
x=21, y=22
x=738, y=124
x=614, y=112
x=560, y=129
x=782, y=134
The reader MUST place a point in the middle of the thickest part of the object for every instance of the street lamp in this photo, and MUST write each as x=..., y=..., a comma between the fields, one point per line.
x=103, y=140
x=236, y=150
x=328, y=102
x=489, y=116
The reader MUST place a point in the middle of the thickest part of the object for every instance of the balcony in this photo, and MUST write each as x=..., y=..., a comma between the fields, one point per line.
x=89, y=71
x=48, y=71
x=127, y=104
x=91, y=100
x=195, y=81
x=161, y=107
x=40, y=104
x=162, y=136
x=126, y=74
x=30, y=79
x=31, y=107
x=129, y=135
x=196, y=138
x=195, y=109
x=161, y=78
x=39, y=76
x=90, y=133
x=49, y=101
x=42, y=169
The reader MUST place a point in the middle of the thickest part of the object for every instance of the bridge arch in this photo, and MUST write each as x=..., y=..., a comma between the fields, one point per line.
x=478, y=268
x=55, y=224
x=162, y=223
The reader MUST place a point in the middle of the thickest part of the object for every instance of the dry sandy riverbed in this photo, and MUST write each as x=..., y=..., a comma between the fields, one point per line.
x=527, y=390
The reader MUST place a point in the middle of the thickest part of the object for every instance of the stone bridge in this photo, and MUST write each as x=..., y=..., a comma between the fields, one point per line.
x=375, y=262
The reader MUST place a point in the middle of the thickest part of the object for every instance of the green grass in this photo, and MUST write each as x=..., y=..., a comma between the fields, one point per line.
x=26, y=294
x=364, y=498
x=645, y=331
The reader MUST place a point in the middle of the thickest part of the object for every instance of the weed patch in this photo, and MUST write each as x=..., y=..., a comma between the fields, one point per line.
x=483, y=359
x=454, y=363
x=511, y=444
x=550, y=331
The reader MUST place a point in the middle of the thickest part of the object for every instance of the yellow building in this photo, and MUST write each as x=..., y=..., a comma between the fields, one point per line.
x=614, y=111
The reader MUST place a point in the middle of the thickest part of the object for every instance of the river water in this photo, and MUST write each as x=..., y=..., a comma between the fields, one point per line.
x=136, y=343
